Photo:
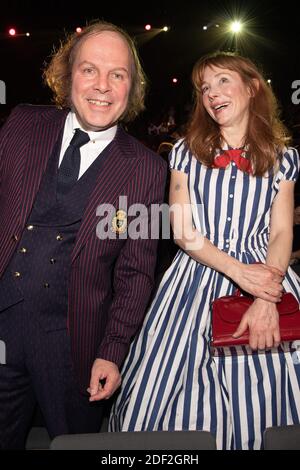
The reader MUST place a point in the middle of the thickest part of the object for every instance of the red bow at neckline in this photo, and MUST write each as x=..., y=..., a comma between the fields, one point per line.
x=233, y=155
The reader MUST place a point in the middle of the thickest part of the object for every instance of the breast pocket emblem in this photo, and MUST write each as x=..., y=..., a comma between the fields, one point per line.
x=119, y=222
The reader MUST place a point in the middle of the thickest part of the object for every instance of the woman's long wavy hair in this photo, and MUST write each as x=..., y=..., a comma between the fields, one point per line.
x=58, y=73
x=266, y=135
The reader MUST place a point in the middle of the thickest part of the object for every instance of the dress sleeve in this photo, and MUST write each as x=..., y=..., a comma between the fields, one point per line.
x=289, y=167
x=180, y=157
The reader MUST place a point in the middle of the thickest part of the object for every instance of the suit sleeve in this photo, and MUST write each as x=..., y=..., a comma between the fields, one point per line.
x=6, y=132
x=133, y=282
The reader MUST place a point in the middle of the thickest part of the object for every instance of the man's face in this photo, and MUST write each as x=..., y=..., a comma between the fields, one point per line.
x=101, y=80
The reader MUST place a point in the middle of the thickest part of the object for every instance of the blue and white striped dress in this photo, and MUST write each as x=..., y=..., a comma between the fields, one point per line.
x=170, y=379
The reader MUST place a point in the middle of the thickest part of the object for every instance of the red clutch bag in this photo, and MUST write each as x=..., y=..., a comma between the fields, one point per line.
x=227, y=313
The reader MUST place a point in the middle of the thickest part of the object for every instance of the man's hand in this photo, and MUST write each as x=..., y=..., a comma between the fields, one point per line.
x=110, y=377
x=262, y=319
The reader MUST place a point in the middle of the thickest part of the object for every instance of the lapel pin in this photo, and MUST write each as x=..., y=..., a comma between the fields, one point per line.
x=119, y=222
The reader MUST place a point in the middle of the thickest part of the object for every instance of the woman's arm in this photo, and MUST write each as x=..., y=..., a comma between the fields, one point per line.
x=281, y=227
x=262, y=316
x=259, y=280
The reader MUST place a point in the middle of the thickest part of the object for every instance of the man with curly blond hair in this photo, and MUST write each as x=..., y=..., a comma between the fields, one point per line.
x=70, y=299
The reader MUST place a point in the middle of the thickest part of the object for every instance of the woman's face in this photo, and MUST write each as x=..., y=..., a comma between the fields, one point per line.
x=225, y=96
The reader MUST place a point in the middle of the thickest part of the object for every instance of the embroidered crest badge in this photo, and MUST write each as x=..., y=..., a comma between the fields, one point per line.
x=119, y=222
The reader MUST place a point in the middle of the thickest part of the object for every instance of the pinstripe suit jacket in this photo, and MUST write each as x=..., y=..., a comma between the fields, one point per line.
x=111, y=280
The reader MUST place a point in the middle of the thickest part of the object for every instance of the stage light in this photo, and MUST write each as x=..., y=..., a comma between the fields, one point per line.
x=27, y=34
x=174, y=80
x=205, y=28
x=166, y=28
x=12, y=32
x=148, y=27
x=78, y=30
x=236, y=27
x=269, y=81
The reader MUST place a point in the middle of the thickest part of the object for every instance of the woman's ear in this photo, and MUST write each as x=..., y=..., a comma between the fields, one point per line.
x=254, y=88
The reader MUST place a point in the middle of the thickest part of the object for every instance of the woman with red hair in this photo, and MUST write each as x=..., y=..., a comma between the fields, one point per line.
x=232, y=187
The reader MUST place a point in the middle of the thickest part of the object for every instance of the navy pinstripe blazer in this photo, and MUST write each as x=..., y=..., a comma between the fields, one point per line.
x=111, y=280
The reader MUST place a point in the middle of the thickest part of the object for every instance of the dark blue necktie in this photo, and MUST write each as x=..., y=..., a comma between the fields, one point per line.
x=69, y=169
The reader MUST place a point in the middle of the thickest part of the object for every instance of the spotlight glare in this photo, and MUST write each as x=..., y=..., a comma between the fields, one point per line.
x=165, y=28
x=205, y=28
x=148, y=27
x=78, y=30
x=174, y=80
x=12, y=32
x=236, y=26
x=27, y=34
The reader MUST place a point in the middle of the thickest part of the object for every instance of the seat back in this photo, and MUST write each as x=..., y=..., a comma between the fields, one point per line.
x=38, y=439
x=282, y=437
x=146, y=440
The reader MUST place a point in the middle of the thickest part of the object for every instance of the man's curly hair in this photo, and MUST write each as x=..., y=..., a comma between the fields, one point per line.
x=58, y=73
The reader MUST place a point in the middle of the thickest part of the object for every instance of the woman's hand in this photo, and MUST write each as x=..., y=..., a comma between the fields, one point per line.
x=262, y=319
x=259, y=280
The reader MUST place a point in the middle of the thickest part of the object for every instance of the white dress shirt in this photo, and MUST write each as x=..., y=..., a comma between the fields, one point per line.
x=90, y=151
